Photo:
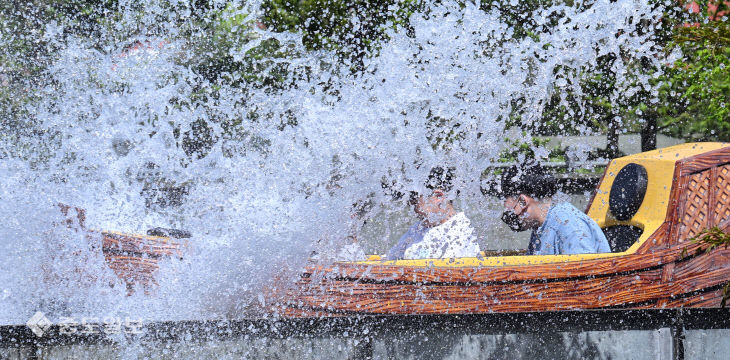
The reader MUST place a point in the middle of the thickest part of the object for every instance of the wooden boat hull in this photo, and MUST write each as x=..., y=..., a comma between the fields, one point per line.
x=664, y=270
x=689, y=191
x=664, y=280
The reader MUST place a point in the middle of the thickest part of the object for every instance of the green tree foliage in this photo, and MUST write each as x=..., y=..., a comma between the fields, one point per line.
x=353, y=29
x=582, y=99
x=222, y=53
x=24, y=54
x=694, y=96
x=520, y=15
x=225, y=48
x=712, y=239
x=687, y=98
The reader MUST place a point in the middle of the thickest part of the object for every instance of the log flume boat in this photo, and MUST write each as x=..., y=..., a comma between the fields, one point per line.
x=650, y=206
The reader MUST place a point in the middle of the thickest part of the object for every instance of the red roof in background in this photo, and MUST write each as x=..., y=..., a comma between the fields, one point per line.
x=712, y=8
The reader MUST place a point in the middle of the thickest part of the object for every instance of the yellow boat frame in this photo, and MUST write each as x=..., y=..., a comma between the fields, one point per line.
x=652, y=213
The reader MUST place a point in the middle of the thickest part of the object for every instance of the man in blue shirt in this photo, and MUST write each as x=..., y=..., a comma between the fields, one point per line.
x=557, y=228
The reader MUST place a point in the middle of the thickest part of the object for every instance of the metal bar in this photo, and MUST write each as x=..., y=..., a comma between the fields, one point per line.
x=677, y=343
x=551, y=164
x=368, y=326
x=678, y=337
x=364, y=349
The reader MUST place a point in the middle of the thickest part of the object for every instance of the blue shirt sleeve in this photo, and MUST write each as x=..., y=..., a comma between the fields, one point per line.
x=567, y=230
x=412, y=236
x=575, y=238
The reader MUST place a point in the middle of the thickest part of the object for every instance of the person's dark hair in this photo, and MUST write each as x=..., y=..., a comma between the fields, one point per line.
x=528, y=179
x=440, y=178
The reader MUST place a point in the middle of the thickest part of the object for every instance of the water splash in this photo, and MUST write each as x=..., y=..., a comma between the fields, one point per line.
x=280, y=168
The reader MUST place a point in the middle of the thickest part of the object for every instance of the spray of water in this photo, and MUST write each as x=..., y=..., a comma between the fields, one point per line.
x=282, y=167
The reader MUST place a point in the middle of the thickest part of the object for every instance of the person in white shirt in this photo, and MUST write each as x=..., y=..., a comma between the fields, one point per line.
x=442, y=232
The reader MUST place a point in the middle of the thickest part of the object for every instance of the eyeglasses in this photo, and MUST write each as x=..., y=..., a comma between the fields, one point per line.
x=519, y=200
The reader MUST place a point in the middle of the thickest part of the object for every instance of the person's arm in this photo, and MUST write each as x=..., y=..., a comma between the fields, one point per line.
x=461, y=241
x=410, y=237
x=575, y=236
x=546, y=242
